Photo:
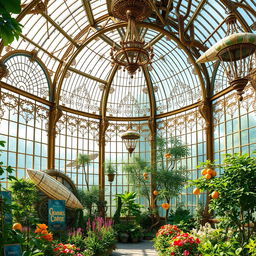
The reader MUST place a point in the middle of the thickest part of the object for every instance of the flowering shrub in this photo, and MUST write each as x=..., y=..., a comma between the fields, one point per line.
x=101, y=236
x=98, y=223
x=168, y=230
x=206, y=233
x=184, y=244
x=164, y=237
x=66, y=249
x=76, y=236
x=41, y=230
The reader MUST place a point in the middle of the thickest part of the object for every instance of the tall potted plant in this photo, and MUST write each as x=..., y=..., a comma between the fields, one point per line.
x=169, y=176
x=110, y=170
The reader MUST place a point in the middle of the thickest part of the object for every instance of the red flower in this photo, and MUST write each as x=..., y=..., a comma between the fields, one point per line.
x=186, y=253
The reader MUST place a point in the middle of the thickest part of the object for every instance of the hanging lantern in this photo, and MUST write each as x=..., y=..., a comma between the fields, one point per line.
x=130, y=138
x=236, y=53
x=134, y=52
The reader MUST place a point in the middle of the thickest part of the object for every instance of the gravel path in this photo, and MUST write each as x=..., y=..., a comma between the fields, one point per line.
x=143, y=248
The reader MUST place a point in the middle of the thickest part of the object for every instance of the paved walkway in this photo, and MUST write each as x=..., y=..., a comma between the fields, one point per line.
x=143, y=248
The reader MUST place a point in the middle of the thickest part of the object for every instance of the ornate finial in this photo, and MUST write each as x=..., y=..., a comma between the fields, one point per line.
x=205, y=111
x=33, y=55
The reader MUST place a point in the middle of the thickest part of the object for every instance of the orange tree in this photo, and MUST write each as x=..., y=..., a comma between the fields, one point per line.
x=169, y=174
x=233, y=194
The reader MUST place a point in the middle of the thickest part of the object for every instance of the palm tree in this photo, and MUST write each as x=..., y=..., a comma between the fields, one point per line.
x=83, y=160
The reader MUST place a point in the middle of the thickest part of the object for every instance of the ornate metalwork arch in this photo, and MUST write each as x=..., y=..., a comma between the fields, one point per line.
x=28, y=73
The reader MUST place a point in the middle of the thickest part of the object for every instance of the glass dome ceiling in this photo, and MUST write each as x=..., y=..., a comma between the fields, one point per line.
x=72, y=39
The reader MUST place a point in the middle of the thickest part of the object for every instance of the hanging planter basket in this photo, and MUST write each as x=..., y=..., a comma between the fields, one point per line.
x=111, y=177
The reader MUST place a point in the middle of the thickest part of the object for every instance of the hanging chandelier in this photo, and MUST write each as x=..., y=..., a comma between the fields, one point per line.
x=130, y=139
x=236, y=53
x=134, y=52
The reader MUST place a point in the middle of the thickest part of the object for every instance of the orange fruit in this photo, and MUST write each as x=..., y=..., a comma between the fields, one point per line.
x=145, y=174
x=17, y=226
x=209, y=171
x=215, y=194
x=214, y=173
x=167, y=155
x=165, y=206
x=196, y=191
x=204, y=171
x=208, y=176
x=155, y=192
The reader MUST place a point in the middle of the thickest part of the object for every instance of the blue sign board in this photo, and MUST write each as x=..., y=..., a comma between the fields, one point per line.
x=12, y=250
x=6, y=195
x=56, y=215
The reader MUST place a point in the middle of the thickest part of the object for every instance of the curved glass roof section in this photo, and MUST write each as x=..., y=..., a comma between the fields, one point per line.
x=73, y=39
x=27, y=74
x=128, y=97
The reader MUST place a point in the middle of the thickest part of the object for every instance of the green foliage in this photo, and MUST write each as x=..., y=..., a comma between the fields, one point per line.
x=223, y=248
x=135, y=170
x=129, y=207
x=108, y=237
x=94, y=244
x=199, y=215
x=161, y=243
x=169, y=176
x=8, y=170
x=174, y=147
x=133, y=230
x=237, y=193
x=182, y=218
x=24, y=198
x=252, y=246
x=169, y=183
x=98, y=244
x=6, y=234
x=117, y=214
x=110, y=168
x=89, y=198
x=9, y=27
x=83, y=160
x=146, y=220
x=76, y=237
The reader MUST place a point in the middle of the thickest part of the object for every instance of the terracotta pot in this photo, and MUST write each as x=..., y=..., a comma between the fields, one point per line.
x=111, y=177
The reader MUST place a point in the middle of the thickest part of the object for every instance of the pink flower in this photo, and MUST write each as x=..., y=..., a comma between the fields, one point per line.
x=186, y=253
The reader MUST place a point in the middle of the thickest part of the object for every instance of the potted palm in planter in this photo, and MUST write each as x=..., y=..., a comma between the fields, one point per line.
x=110, y=170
